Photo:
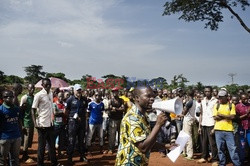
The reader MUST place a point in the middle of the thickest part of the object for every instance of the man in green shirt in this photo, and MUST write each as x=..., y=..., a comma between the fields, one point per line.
x=28, y=125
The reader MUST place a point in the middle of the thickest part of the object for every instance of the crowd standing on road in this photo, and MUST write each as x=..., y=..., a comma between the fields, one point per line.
x=123, y=119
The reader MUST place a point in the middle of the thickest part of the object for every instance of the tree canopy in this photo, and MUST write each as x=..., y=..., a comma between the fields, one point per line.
x=206, y=10
x=34, y=73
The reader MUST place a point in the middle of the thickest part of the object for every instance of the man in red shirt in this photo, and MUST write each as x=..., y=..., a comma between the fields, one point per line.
x=243, y=110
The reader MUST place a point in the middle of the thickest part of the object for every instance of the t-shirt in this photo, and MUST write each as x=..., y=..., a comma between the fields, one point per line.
x=75, y=105
x=224, y=125
x=9, y=126
x=27, y=117
x=96, y=110
x=59, y=117
x=135, y=128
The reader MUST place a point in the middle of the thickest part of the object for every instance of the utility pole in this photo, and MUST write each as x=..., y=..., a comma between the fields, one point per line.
x=232, y=76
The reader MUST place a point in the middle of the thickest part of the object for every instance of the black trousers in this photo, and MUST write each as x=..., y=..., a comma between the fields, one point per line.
x=46, y=134
x=208, y=139
x=76, y=130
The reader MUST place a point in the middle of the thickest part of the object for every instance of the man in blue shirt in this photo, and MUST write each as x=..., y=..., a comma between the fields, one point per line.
x=96, y=109
x=76, y=111
x=10, y=135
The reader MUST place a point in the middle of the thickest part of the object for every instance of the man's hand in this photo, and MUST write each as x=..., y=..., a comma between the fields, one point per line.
x=36, y=126
x=212, y=132
x=199, y=130
x=171, y=146
x=113, y=109
x=24, y=131
x=161, y=119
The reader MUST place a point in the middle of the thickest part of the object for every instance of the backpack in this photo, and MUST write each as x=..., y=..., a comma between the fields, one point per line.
x=218, y=106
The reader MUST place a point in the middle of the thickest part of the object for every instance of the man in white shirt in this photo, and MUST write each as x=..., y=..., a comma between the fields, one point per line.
x=42, y=111
x=206, y=127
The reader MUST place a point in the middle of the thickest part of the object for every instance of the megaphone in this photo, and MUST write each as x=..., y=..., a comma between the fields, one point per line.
x=171, y=106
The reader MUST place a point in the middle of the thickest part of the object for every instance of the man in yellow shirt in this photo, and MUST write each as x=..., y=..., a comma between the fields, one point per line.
x=223, y=114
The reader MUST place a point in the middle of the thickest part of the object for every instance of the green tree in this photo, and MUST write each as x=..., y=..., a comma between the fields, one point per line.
x=159, y=82
x=57, y=75
x=199, y=86
x=112, y=80
x=232, y=89
x=84, y=80
x=2, y=77
x=13, y=79
x=34, y=73
x=206, y=10
x=178, y=81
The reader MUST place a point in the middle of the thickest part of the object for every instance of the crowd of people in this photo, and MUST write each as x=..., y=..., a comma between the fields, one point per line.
x=68, y=120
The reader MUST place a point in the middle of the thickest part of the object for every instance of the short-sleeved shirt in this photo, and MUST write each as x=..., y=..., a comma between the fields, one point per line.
x=191, y=105
x=135, y=128
x=9, y=125
x=241, y=109
x=224, y=109
x=27, y=117
x=96, y=110
x=43, y=102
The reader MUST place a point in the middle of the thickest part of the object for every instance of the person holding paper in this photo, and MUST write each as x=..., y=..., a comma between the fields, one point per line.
x=136, y=138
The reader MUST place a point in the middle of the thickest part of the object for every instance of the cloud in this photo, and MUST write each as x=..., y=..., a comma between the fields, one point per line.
x=103, y=37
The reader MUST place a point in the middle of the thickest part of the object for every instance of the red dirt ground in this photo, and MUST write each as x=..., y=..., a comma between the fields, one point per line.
x=98, y=159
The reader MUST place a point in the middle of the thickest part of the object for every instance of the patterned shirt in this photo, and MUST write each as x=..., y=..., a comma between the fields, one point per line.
x=134, y=128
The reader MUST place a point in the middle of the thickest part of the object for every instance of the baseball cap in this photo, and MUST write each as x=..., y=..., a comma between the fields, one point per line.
x=115, y=89
x=222, y=93
x=77, y=87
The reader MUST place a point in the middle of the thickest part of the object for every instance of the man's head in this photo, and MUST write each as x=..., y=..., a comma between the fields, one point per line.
x=165, y=93
x=131, y=96
x=17, y=88
x=180, y=92
x=190, y=93
x=78, y=90
x=98, y=96
x=60, y=97
x=160, y=93
x=208, y=91
x=215, y=92
x=46, y=84
x=8, y=97
x=144, y=97
x=199, y=97
x=223, y=96
x=235, y=99
x=244, y=98
x=66, y=95
x=31, y=89
x=115, y=92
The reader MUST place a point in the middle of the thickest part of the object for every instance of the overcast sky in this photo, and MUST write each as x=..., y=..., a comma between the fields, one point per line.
x=121, y=37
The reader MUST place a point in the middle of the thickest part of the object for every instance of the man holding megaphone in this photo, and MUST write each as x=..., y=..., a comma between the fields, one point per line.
x=137, y=139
